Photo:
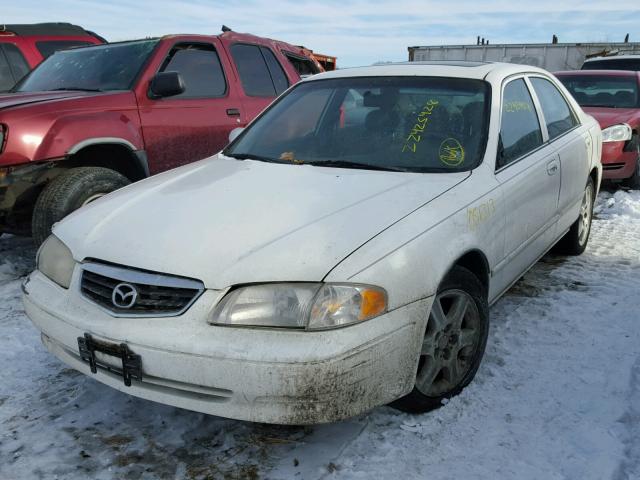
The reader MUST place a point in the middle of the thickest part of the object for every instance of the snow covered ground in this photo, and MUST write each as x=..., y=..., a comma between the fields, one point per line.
x=557, y=395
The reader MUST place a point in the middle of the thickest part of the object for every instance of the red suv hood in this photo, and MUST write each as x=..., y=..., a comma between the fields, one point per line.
x=16, y=99
x=612, y=116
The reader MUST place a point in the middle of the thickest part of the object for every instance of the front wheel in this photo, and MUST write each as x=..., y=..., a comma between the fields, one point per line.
x=575, y=240
x=68, y=192
x=453, y=344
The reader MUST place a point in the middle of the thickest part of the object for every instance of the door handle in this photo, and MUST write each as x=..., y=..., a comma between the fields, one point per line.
x=553, y=167
x=233, y=112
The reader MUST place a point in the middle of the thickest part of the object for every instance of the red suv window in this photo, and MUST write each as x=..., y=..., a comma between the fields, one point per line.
x=260, y=73
x=48, y=48
x=13, y=66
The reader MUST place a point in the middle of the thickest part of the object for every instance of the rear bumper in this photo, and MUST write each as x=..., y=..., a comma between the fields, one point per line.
x=271, y=376
x=616, y=163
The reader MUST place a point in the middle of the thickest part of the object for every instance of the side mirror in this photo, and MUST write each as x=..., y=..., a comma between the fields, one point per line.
x=166, y=84
x=233, y=134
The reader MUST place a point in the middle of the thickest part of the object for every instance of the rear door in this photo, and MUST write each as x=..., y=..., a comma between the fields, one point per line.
x=571, y=141
x=195, y=124
x=528, y=170
x=261, y=76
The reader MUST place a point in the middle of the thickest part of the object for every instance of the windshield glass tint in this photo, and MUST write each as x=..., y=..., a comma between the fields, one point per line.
x=603, y=91
x=409, y=123
x=106, y=67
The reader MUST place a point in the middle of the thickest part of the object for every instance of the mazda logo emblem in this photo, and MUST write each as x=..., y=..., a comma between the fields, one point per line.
x=124, y=295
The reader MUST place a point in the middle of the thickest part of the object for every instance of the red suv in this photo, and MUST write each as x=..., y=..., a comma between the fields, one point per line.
x=22, y=47
x=89, y=120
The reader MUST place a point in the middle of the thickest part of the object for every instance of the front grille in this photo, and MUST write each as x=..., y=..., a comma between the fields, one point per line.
x=129, y=292
x=612, y=166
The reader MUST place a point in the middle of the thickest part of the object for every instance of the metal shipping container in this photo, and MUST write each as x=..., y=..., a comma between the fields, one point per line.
x=551, y=56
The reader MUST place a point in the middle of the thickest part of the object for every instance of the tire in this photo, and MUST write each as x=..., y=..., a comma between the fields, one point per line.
x=453, y=345
x=633, y=181
x=575, y=240
x=68, y=192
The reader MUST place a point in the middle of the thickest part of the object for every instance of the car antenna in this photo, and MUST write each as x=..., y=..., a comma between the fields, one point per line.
x=226, y=29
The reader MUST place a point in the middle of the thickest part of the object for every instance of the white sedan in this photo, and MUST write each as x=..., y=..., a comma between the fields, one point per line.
x=341, y=253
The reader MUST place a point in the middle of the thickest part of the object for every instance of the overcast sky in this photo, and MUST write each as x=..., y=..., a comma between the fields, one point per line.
x=357, y=32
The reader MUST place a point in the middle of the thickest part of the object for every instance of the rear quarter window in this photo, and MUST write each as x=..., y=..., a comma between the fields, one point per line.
x=303, y=66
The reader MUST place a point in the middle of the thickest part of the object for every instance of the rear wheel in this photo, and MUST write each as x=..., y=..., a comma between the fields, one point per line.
x=453, y=344
x=575, y=240
x=68, y=192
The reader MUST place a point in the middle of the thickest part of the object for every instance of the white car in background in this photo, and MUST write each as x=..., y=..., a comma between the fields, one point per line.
x=340, y=254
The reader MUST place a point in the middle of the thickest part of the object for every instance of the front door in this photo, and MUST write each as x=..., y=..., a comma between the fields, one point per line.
x=528, y=170
x=195, y=124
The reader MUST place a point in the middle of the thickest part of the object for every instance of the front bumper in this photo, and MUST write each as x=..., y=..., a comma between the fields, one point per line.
x=260, y=375
x=617, y=163
x=19, y=189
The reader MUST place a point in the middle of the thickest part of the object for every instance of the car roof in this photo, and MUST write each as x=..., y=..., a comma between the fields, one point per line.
x=460, y=69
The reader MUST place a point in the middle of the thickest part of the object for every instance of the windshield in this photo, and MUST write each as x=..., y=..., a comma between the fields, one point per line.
x=613, y=64
x=603, y=91
x=421, y=124
x=99, y=68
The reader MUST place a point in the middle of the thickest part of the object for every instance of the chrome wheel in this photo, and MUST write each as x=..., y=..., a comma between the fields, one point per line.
x=450, y=343
x=584, y=222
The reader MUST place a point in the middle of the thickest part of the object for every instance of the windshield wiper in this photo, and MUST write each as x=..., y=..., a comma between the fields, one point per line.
x=251, y=156
x=348, y=164
x=75, y=89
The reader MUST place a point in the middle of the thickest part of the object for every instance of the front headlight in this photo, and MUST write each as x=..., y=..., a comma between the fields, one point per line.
x=311, y=306
x=55, y=261
x=617, y=133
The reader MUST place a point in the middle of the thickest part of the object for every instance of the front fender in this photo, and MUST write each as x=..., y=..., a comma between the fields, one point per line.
x=70, y=133
x=410, y=259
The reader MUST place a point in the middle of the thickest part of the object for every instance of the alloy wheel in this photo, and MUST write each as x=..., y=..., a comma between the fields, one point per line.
x=584, y=222
x=450, y=343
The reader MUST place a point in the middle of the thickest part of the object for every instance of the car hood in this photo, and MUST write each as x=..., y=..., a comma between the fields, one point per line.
x=9, y=100
x=228, y=222
x=613, y=116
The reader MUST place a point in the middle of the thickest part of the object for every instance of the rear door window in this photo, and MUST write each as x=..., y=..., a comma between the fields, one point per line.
x=200, y=69
x=519, y=126
x=557, y=114
x=280, y=81
x=48, y=48
x=253, y=70
x=303, y=66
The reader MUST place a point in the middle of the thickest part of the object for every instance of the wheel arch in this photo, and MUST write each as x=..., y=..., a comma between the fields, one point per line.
x=114, y=153
x=476, y=262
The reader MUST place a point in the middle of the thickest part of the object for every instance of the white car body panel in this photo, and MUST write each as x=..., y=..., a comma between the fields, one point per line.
x=227, y=222
x=289, y=229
